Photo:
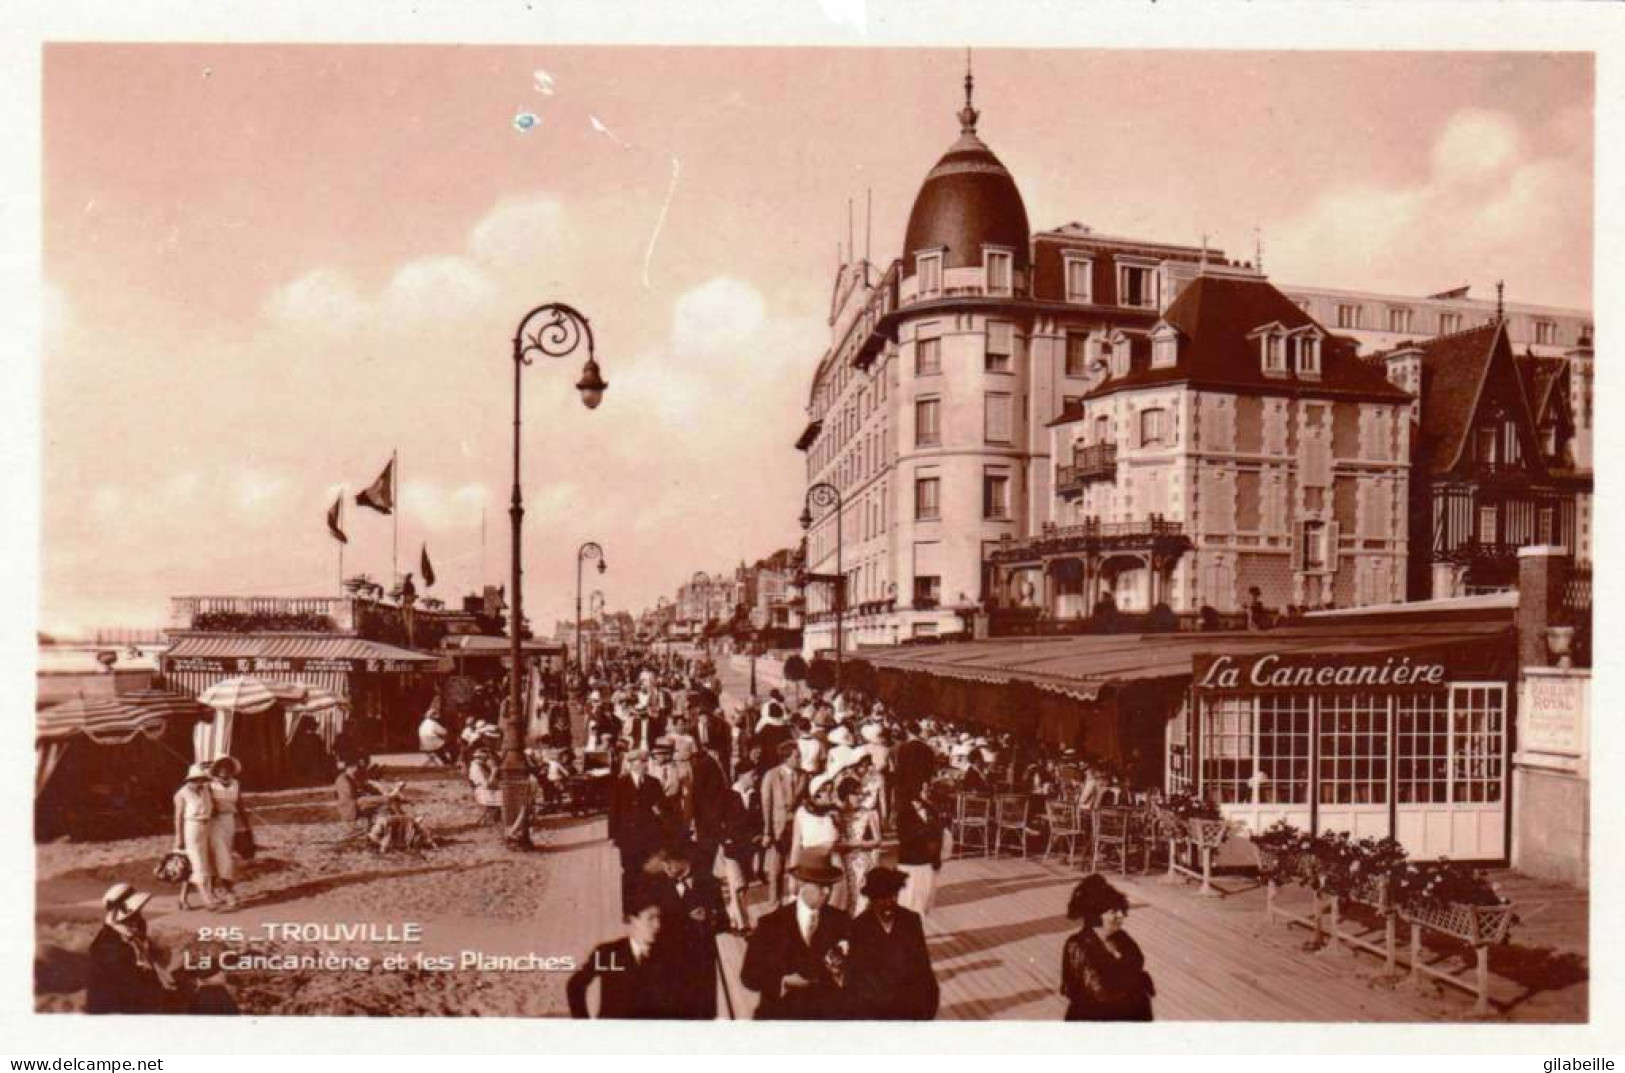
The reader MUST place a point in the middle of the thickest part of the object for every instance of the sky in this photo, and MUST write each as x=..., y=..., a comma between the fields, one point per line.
x=306, y=257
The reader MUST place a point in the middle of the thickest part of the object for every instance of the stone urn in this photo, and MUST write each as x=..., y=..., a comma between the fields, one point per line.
x=1560, y=643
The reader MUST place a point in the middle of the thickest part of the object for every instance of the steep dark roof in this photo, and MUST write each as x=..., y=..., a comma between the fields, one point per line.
x=967, y=201
x=1215, y=316
x=1540, y=378
x=1457, y=371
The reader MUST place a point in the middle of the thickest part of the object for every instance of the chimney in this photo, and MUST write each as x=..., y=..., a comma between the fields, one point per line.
x=1543, y=571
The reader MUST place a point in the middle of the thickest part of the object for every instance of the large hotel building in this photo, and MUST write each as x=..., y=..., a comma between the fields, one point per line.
x=1029, y=424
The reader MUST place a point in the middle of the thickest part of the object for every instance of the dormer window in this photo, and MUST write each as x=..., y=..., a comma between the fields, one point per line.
x=1115, y=349
x=1164, y=347
x=1306, y=360
x=1137, y=285
x=1079, y=278
x=928, y=273
x=998, y=266
x=1274, y=353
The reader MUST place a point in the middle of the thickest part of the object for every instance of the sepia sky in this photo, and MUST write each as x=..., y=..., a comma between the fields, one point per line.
x=266, y=267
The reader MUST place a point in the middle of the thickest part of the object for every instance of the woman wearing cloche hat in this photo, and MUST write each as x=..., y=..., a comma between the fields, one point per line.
x=194, y=808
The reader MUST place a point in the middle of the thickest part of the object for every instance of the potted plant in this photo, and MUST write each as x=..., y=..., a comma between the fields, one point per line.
x=1453, y=898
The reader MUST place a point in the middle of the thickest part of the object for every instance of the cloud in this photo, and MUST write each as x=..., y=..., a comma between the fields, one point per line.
x=519, y=232
x=437, y=289
x=324, y=299
x=256, y=492
x=716, y=318
x=1486, y=203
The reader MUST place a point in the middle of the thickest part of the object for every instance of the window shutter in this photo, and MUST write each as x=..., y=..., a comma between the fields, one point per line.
x=1334, y=533
x=1297, y=547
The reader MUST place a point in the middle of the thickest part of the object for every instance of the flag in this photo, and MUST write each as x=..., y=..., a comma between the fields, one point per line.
x=335, y=520
x=380, y=496
x=427, y=569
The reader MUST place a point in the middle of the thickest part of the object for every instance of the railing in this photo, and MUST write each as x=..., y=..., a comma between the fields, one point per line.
x=185, y=610
x=1092, y=535
x=1097, y=462
x=1028, y=622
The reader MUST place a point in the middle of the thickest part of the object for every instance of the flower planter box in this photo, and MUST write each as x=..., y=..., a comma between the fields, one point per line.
x=1479, y=926
x=1208, y=834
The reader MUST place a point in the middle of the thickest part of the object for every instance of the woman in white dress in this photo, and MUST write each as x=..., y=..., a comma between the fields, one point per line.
x=194, y=805
x=225, y=791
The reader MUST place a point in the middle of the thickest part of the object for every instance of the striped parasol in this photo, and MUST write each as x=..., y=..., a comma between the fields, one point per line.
x=114, y=720
x=316, y=699
x=243, y=694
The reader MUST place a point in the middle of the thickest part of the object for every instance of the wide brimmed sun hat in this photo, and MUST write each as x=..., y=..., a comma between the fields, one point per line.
x=199, y=773
x=817, y=870
x=122, y=901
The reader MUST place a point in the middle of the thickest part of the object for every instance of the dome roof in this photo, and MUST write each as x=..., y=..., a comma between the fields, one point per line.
x=967, y=201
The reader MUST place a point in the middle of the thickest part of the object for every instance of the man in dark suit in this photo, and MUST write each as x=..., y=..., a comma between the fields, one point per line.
x=710, y=808
x=916, y=764
x=635, y=805
x=890, y=967
x=631, y=980
x=781, y=792
x=713, y=735
x=793, y=949
x=692, y=915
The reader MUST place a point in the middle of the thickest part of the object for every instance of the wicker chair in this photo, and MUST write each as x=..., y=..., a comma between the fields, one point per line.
x=1010, y=817
x=1065, y=825
x=973, y=816
x=1114, y=837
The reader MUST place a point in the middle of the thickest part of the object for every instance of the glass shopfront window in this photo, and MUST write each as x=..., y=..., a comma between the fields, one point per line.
x=1353, y=750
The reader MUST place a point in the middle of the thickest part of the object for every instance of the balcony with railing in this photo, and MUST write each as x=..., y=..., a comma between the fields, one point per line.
x=873, y=327
x=1097, y=462
x=1093, y=536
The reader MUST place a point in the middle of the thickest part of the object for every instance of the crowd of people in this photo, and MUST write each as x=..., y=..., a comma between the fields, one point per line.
x=794, y=804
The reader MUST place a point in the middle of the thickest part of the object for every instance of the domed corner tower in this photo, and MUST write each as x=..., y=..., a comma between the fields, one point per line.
x=968, y=200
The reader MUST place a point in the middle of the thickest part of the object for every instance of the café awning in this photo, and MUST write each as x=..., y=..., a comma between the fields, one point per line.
x=1085, y=668
x=267, y=653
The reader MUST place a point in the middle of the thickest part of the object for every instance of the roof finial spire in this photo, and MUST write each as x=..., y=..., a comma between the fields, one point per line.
x=968, y=115
x=1500, y=307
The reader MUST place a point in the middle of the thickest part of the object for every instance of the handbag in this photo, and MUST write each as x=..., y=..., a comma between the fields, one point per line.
x=173, y=867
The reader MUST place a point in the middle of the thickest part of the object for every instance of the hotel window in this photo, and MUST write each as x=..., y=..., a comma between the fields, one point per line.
x=996, y=424
x=998, y=271
x=1001, y=345
x=927, y=422
x=1545, y=333
x=1449, y=323
x=927, y=498
x=1484, y=444
x=1313, y=552
x=1274, y=353
x=1077, y=354
x=1348, y=316
x=1103, y=428
x=928, y=273
x=1079, y=279
x=1153, y=430
x=995, y=495
x=1487, y=518
x=928, y=353
x=1136, y=287
x=927, y=594
x=1399, y=320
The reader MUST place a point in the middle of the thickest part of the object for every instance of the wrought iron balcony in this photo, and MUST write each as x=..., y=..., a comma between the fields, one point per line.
x=1094, y=536
x=1094, y=463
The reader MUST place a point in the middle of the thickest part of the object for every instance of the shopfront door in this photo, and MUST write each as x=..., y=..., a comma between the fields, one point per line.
x=1450, y=772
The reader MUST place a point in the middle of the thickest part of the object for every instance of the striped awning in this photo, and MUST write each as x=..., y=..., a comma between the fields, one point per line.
x=115, y=720
x=1084, y=668
x=276, y=653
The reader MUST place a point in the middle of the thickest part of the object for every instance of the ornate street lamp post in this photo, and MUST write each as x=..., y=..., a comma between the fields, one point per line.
x=587, y=552
x=825, y=495
x=553, y=330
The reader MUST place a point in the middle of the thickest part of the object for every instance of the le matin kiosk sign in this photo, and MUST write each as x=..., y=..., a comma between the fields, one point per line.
x=271, y=665
x=1320, y=672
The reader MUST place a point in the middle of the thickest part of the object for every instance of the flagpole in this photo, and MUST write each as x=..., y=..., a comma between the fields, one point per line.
x=341, y=543
x=395, y=498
